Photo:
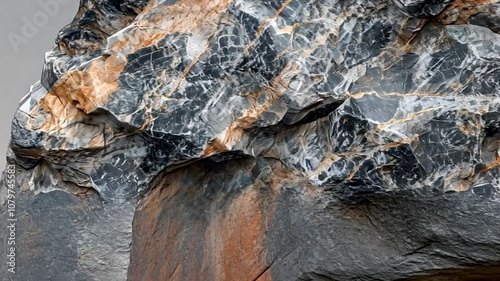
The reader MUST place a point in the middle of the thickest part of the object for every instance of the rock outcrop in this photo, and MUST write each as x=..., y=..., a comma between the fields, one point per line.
x=262, y=140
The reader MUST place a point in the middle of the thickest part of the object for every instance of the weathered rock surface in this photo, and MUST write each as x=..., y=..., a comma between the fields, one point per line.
x=263, y=140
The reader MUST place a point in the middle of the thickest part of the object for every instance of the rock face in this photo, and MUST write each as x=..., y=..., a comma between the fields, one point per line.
x=263, y=140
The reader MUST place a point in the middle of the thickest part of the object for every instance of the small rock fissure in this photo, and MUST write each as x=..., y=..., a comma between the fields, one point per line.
x=490, y=273
x=317, y=111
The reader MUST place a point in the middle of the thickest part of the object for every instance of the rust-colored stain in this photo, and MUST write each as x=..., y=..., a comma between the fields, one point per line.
x=215, y=146
x=238, y=238
x=81, y=91
x=148, y=214
x=186, y=16
x=189, y=237
x=236, y=129
x=77, y=94
x=460, y=11
x=493, y=165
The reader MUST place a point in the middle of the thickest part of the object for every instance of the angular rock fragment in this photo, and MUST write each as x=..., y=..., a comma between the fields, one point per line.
x=421, y=8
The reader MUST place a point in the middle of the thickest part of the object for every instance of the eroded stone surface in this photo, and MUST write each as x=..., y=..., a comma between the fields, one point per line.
x=276, y=226
x=354, y=140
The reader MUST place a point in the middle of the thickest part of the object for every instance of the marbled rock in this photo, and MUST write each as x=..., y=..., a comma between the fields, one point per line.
x=263, y=140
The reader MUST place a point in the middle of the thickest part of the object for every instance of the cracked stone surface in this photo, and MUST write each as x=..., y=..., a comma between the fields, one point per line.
x=263, y=140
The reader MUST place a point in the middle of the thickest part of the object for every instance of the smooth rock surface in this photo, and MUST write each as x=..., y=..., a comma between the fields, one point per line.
x=264, y=140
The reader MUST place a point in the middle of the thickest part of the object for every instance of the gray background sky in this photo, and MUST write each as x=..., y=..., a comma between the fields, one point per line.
x=19, y=70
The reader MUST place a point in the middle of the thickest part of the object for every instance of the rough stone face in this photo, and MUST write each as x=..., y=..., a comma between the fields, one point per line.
x=263, y=140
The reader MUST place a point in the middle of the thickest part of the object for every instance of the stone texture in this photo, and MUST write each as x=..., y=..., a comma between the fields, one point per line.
x=264, y=140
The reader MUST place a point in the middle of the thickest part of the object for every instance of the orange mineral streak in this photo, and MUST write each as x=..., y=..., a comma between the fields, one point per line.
x=460, y=11
x=493, y=165
x=186, y=16
x=236, y=130
x=80, y=92
x=237, y=237
x=77, y=94
x=224, y=240
x=149, y=212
